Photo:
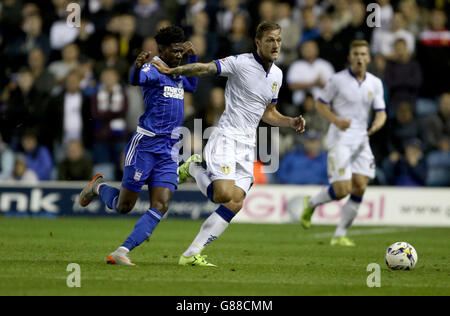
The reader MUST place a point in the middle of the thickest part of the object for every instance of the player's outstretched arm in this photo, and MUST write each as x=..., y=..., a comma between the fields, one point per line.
x=141, y=60
x=326, y=113
x=189, y=70
x=272, y=117
x=378, y=122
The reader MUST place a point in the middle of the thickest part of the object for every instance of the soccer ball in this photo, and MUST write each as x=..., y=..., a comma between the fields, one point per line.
x=401, y=256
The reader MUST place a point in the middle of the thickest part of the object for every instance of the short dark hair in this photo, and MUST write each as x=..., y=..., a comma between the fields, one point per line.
x=359, y=43
x=266, y=26
x=170, y=35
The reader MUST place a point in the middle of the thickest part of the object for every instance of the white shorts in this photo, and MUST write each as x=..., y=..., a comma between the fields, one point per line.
x=228, y=159
x=346, y=160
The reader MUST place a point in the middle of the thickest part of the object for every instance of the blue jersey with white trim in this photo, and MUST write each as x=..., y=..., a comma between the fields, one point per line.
x=163, y=98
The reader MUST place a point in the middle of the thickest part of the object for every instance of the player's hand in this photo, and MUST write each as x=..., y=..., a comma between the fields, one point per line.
x=188, y=48
x=162, y=67
x=299, y=124
x=373, y=129
x=143, y=58
x=342, y=124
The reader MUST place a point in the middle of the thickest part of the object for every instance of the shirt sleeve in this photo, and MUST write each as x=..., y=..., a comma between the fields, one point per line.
x=329, y=92
x=227, y=66
x=145, y=76
x=378, y=101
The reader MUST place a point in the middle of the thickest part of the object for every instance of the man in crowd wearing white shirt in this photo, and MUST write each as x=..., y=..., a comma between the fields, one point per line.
x=347, y=102
x=308, y=74
x=251, y=94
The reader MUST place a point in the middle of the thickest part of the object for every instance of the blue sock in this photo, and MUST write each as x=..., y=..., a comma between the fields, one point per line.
x=355, y=198
x=225, y=213
x=109, y=195
x=209, y=192
x=332, y=193
x=143, y=229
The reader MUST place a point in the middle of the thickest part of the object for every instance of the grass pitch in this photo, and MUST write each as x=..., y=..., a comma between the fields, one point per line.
x=253, y=260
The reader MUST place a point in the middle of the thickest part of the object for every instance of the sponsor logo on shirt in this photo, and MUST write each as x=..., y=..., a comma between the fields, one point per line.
x=172, y=92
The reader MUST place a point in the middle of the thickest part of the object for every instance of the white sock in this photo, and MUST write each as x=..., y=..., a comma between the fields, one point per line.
x=349, y=213
x=201, y=177
x=123, y=250
x=322, y=197
x=211, y=229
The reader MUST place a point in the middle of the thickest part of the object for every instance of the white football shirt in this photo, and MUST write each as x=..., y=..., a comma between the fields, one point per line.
x=352, y=100
x=249, y=90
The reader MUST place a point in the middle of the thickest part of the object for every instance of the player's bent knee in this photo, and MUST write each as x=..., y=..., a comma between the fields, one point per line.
x=124, y=208
x=161, y=206
x=222, y=196
x=342, y=191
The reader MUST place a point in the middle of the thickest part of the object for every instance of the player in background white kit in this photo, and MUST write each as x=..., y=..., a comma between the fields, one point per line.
x=251, y=94
x=346, y=103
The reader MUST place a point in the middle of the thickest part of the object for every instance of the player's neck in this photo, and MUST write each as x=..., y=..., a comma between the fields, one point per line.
x=264, y=62
x=359, y=75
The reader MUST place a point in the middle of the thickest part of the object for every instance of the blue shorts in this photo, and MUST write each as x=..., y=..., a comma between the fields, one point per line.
x=152, y=161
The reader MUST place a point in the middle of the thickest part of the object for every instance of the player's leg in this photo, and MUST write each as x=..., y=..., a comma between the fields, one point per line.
x=212, y=228
x=350, y=209
x=340, y=175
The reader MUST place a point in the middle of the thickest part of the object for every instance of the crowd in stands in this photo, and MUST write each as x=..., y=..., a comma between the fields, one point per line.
x=67, y=110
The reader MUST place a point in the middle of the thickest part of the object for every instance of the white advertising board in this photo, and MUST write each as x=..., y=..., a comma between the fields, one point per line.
x=380, y=206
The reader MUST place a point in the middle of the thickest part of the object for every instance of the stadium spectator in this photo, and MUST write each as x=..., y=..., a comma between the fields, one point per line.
x=32, y=37
x=402, y=77
x=402, y=128
x=148, y=13
x=61, y=34
x=87, y=39
x=6, y=160
x=386, y=14
x=341, y=14
x=383, y=40
x=215, y=42
x=226, y=14
x=331, y=48
x=111, y=59
x=68, y=116
x=129, y=41
x=21, y=173
x=109, y=107
x=307, y=164
x=60, y=68
x=266, y=11
x=411, y=13
x=38, y=157
x=216, y=108
x=310, y=28
x=433, y=54
x=291, y=34
x=240, y=41
x=313, y=119
x=437, y=127
x=357, y=28
x=438, y=164
x=76, y=165
x=25, y=107
x=43, y=79
x=308, y=74
x=408, y=169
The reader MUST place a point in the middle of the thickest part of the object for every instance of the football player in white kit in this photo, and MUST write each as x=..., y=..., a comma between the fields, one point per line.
x=346, y=103
x=251, y=95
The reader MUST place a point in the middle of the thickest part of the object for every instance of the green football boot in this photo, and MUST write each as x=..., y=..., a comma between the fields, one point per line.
x=307, y=213
x=342, y=241
x=183, y=170
x=195, y=260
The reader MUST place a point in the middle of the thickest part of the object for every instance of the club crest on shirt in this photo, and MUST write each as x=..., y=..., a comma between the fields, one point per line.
x=146, y=68
x=274, y=86
x=226, y=169
x=370, y=95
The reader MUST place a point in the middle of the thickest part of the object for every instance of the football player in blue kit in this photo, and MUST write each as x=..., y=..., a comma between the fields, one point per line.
x=150, y=156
